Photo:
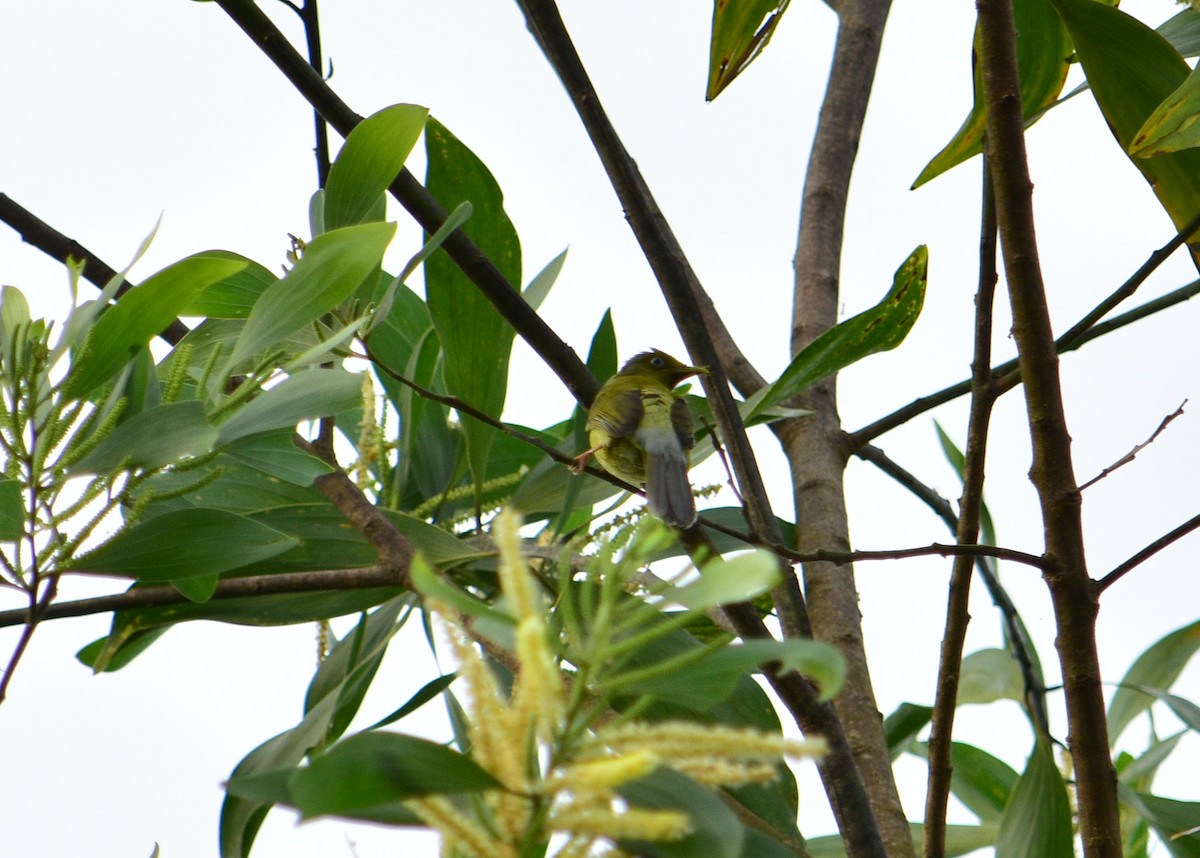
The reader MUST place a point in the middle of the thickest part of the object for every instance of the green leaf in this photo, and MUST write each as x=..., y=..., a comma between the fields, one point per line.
x=1037, y=818
x=333, y=266
x=475, y=339
x=198, y=589
x=1183, y=32
x=369, y=161
x=184, y=544
x=1132, y=70
x=1158, y=667
x=737, y=579
x=374, y=769
x=342, y=680
x=276, y=454
x=1175, y=822
x=902, y=726
x=1173, y=124
x=140, y=314
x=1043, y=48
x=429, y=691
x=305, y=395
x=1140, y=772
x=716, y=832
x=881, y=328
x=152, y=439
x=980, y=781
x=539, y=287
x=232, y=297
x=960, y=840
x=12, y=511
x=700, y=684
x=740, y=31
x=989, y=675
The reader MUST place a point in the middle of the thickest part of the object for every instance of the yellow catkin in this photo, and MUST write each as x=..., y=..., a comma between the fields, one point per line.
x=635, y=823
x=459, y=833
x=538, y=694
x=606, y=774
x=683, y=740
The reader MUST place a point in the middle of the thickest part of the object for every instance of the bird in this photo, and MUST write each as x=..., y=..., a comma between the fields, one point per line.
x=641, y=431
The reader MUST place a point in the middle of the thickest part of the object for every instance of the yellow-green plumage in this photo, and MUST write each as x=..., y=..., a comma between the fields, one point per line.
x=641, y=432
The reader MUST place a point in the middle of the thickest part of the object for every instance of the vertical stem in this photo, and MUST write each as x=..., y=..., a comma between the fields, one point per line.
x=966, y=532
x=1073, y=593
x=815, y=445
x=312, y=38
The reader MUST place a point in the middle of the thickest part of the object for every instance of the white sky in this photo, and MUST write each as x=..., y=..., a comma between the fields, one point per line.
x=116, y=112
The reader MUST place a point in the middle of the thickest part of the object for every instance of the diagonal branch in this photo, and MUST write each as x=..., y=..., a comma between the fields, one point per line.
x=54, y=244
x=421, y=204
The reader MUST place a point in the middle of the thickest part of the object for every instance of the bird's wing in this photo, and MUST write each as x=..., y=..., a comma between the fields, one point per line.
x=618, y=413
x=683, y=423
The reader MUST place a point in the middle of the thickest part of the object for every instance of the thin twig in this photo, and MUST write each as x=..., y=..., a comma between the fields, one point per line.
x=1088, y=328
x=983, y=397
x=275, y=584
x=1132, y=454
x=1146, y=553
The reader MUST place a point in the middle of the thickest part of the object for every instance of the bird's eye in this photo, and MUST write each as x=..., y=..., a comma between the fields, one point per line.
x=659, y=362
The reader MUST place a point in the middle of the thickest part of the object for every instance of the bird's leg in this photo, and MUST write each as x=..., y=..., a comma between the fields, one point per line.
x=580, y=462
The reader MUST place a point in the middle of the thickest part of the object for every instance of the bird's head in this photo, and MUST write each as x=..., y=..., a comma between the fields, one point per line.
x=661, y=367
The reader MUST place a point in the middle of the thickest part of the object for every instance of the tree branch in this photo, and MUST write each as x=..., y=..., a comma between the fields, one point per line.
x=983, y=397
x=1146, y=553
x=57, y=246
x=1072, y=591
x=1132, y=454
x=377, y=575
x=421, y=204
x=815, y=444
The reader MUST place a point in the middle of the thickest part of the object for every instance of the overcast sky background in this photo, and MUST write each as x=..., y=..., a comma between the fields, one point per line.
x=120, y=111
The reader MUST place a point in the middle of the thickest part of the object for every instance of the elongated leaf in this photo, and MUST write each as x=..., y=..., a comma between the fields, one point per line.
x=140, y=314
x=306, y=395
x=373, y=769
x=276, y=454
x=1037, y=819
x=960, y=840
x=1173, y=125
x=342, y=678
x=1043, y=48
x=989, y=675
x=475, y=338
x=539, y=287
x=429, y=691
x=154, y=438
x=740, y=31
x=1183, y=31
x=369, y=161
x=232, y=297
x=881, y=328
x=738, y=579
x=716, y=832
x=185, y=544
x=702, y=683
x=1177, y=823
x=1158, y=667
x=333, y=266
x=980, y=781
x=1132, y=70
x=902, y=726
x=1140, y=772
x=12, y=511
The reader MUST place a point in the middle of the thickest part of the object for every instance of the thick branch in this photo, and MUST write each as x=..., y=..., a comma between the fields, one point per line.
x=815, y=445
x=1072, y=591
